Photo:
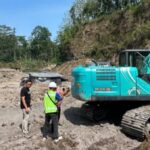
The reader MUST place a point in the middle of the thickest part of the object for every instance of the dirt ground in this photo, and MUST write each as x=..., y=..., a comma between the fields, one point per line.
x=78, y=133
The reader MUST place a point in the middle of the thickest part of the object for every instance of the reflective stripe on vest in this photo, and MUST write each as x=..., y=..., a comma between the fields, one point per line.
x=49, y=106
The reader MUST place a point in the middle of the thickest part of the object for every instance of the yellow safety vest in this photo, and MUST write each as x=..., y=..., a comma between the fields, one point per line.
x=49, y=106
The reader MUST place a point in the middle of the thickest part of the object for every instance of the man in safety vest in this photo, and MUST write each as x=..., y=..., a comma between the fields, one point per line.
x=51, y=101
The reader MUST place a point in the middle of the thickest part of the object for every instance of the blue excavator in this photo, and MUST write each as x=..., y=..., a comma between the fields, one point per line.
x=124, y=88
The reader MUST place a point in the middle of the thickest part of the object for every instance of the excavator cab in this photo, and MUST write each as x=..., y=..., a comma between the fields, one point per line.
x=134, y=58
x=139, y=59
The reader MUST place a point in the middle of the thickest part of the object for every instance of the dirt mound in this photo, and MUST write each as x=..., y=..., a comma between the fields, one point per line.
x=144, y=146
x=65, y=144
x=65, y=68
x=109, y=144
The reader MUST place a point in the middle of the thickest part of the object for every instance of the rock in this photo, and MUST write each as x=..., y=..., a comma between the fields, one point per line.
x=12, y=123
x=4, y=124
x=3, y=106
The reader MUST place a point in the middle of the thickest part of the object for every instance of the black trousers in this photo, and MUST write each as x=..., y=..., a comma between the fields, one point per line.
x=53, y=117
x=59, y=112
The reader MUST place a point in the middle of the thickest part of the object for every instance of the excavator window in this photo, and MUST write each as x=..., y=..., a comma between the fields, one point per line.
x=122, y=60
x=139, y=62
x=132, y=58
x=127, y=59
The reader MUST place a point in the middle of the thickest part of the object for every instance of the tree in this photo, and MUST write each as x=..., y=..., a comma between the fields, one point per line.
x=41, y=43
x=41, y=33
x=63, y=41
x=22, y=47
x=76, y=11
x=86, y=10
x=8, y=43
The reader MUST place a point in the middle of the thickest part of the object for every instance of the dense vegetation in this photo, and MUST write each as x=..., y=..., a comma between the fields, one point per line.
x=94, y=28
x=21, y=52
x=100, y=28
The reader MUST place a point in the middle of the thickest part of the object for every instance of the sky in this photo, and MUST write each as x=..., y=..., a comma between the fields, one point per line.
x=25, y=15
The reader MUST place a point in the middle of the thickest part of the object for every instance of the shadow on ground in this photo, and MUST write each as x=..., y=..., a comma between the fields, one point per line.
x=75, y=116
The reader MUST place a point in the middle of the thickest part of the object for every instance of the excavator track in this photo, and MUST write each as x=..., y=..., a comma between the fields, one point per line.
x=93, y=112
x=136, y=122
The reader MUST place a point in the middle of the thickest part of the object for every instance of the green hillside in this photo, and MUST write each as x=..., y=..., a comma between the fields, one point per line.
x=103, y=36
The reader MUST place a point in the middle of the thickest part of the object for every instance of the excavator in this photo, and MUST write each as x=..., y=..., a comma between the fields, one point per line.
x=124, y=88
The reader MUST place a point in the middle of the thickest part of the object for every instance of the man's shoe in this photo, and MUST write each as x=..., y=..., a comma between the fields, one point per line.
x=58, y=139
x=44, y=139
x=25, y=131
